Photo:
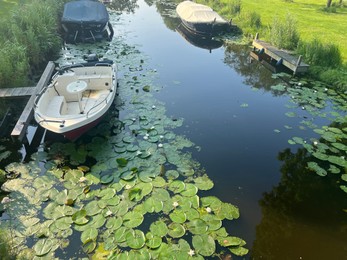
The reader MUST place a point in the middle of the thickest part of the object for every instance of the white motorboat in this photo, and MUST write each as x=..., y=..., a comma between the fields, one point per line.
x=77, y=98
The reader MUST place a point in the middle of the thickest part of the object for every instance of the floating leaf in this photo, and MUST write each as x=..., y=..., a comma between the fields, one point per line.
x=197, y=226
x=158, y=228
x=132, y=219
x=239, y=251
x=89, y=235
x=176, y=230
x=80, y=217
x=153, y=205
x=122, y=162
x=153, y=241
x=315, y=167
x=178, y=216
x=204, y=245
x=190, y=190
x=43, y=246
x=203, y=183
x=177, y=186
x=135, y=239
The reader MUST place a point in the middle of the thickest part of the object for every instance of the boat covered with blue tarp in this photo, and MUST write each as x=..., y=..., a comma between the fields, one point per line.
x=86, y=21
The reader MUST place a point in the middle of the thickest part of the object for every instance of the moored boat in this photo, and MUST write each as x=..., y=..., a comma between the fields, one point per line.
x=77, y=98
x=201, y=19
x=86, y=21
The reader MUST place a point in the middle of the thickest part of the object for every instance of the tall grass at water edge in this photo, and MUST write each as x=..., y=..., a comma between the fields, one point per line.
x=30, y=38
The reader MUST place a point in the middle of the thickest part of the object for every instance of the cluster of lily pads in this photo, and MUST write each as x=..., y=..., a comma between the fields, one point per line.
x=131, y=192
x=329, y=149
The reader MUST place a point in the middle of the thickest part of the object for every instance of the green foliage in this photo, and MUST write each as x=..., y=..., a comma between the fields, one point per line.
x=317, y=53
x=14, y=65
x=284, y=34
x=334, y=77
x=29, y=39
x=5, y=250
x=234, y=6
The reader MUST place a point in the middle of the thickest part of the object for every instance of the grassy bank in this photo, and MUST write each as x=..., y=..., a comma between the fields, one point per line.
x=311, y=19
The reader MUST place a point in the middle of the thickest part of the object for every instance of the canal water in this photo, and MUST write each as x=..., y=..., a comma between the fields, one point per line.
x=240, y=126
x=241, y=131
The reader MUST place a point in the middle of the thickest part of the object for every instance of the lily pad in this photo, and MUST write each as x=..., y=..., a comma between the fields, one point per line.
x=132, y=219
x=89, y=234
x=178, y=216
x=197, y=226
x=159, y=228
x=43, y=246
x=204, y=244
x=176, y=230
x=135, y=239
x=203, y=183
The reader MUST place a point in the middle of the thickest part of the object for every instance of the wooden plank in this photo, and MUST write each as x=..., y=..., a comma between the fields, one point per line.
x=20, y=128
x=16, y=92
x=287, y=59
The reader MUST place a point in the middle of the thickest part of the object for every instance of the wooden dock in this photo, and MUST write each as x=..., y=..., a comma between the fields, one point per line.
x=19, y=131
x=282, y=57
x=16, y=92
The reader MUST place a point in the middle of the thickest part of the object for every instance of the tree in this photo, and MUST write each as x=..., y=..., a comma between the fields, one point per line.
x=329, y=3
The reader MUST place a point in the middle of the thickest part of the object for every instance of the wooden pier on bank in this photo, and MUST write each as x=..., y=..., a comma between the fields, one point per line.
x=16, y=92
x=19, y=131
x=282, y=57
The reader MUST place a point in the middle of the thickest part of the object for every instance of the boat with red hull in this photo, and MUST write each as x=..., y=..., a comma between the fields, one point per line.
x=77, y=98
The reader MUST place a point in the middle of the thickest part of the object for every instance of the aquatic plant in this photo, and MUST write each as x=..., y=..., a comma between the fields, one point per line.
x=316, y=100
x=129, y=190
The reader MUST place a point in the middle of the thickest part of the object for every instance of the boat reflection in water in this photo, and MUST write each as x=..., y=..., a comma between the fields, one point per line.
x=204, y=42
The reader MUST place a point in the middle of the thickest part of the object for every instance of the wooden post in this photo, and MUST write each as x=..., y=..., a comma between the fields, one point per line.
x=256, y=36
x=297, y=65
x=20, y=128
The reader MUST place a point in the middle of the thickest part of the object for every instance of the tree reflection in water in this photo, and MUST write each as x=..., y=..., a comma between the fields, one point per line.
x=304, y=216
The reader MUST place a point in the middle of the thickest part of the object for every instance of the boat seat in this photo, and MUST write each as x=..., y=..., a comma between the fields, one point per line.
x=57, y=106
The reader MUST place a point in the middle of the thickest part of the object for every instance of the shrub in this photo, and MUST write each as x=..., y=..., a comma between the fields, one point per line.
x=284, y=34
x=317, y=53
x=14, y=65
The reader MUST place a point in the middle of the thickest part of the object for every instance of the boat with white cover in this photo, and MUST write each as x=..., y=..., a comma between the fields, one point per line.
x=201, y=19
x=77, y=98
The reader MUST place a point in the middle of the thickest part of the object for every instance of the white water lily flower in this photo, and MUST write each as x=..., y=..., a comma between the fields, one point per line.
x=161, y=136
x=315, y=142
x=208, y=209
x=83, y=179
x=127, y=187
x=134, y=119
x=191, y=252
x=145, y=137
x=138, y=152
x=175, y=204
x=108, y=213
x=153, y=107
x=5, y=200
x=152, y=127
x=160, y=145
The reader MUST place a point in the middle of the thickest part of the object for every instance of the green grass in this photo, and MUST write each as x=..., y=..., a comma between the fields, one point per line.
x=6, y=6
x=312, y=21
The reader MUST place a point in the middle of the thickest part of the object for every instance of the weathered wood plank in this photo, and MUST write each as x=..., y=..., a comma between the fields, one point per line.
x=16, y=92
x=287, y=59
x=20, y=128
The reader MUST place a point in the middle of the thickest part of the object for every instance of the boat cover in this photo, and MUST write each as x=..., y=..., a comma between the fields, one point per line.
x=198, y=13
x=85, y=11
